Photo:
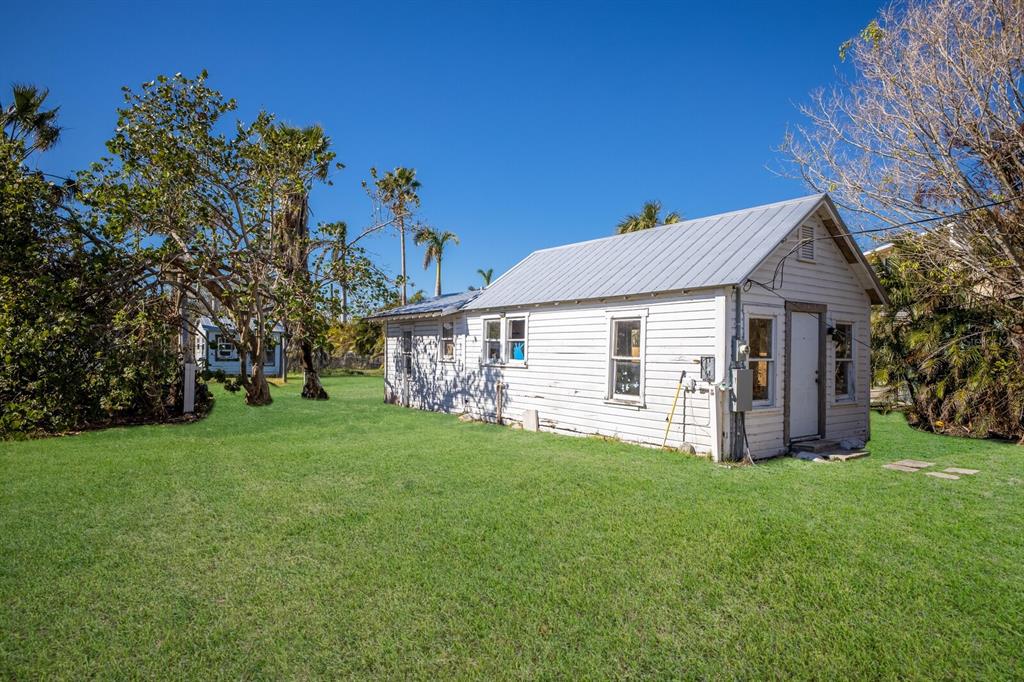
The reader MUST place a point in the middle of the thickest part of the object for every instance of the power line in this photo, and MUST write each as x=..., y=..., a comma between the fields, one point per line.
x=780, y=267
x=921, y=221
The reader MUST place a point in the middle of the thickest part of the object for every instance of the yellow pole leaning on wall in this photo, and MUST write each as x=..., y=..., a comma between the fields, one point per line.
x=672, y=413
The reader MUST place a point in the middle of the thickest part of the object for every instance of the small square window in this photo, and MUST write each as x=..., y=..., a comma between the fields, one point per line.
x=226, y=349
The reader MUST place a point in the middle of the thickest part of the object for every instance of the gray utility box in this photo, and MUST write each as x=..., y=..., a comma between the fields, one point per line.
x=742, y=390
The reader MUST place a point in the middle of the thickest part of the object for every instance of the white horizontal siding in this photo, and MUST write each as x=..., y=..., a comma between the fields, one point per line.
x=566, y=377
x=828, y=280
x=435, y=383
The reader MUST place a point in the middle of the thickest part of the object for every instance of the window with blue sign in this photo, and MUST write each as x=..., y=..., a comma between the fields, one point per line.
x=516, y=339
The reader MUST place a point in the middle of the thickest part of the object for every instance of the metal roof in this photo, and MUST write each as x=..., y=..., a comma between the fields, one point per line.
x=714, y=251
x=718, y=250
x=431, y=307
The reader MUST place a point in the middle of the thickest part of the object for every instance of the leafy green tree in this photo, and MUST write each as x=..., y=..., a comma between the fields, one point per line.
x=941, y=348
x=208, y=201
x=397, y=194
x=648, y=217
x=486, y=275
x=364, y=287
x=928, y=129
x=305, y=148
x=86, y=329
x=435, y=242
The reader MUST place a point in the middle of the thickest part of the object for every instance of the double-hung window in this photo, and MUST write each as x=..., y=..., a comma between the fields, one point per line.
x=843, y=336
x=407, y=353
x=269, y=356
x=492, y=341
x=515, y=339
x=762, y=359
x=626, y=358
x=226, y=348
x=505, y=341
x=447, y=340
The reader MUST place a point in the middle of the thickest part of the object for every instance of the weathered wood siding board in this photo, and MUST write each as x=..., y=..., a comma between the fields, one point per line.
x=566, y=376
x=828, y=280
x=435, y=384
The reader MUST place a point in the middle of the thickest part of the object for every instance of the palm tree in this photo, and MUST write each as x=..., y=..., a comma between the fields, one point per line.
x=308, y=146
x=486, y=275
x=435, y=242
x=648, y=217
x=397, y=190
x=25, y=117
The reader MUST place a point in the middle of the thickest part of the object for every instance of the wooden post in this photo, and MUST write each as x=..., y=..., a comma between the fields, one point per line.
x=189, y=397
x=498, y=402
x=187, y=348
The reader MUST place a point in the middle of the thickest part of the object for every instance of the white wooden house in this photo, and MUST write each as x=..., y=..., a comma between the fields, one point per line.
x=216, y=350
x=596, y=337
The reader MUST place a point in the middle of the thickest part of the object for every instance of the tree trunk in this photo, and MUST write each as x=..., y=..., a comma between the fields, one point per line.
x=405, y=280
x=284, y=355
x=311, y=386
x=243, y=371
x=437, y=279
x=344, y=284
x=258, y=390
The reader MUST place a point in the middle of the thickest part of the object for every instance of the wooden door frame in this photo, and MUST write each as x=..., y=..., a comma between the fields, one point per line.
x=819, y=309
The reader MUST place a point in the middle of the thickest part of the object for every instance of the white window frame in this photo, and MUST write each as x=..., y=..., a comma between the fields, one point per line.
x=484, y=341
x=851, y=396
x=405, y=354
x=503, y=355
x=444, y=357
x=772, y=359
x=232, y=354
x=506, y=341
x=622, y=316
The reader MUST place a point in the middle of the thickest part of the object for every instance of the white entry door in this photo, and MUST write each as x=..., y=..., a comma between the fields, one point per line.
x=803, y=380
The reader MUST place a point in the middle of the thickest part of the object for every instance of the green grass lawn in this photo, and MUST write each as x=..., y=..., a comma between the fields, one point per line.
x=353, y=538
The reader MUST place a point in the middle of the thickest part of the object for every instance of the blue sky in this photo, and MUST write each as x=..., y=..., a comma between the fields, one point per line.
x=529, y=124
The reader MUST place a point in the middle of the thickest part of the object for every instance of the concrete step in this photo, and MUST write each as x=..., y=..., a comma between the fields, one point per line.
x=844, y=455
x=820, y=445
x=831, y=455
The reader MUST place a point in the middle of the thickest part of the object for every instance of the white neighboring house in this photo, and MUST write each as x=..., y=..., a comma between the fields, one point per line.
x=597, y=336
x=216, y=350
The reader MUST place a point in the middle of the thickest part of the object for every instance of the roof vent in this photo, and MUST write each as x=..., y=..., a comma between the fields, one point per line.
x=806, y=249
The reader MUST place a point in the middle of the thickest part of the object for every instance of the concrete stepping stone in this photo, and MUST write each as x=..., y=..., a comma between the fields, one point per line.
x=895, y=466
x=941, y=474
x=962, y=472
x=914, y=463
